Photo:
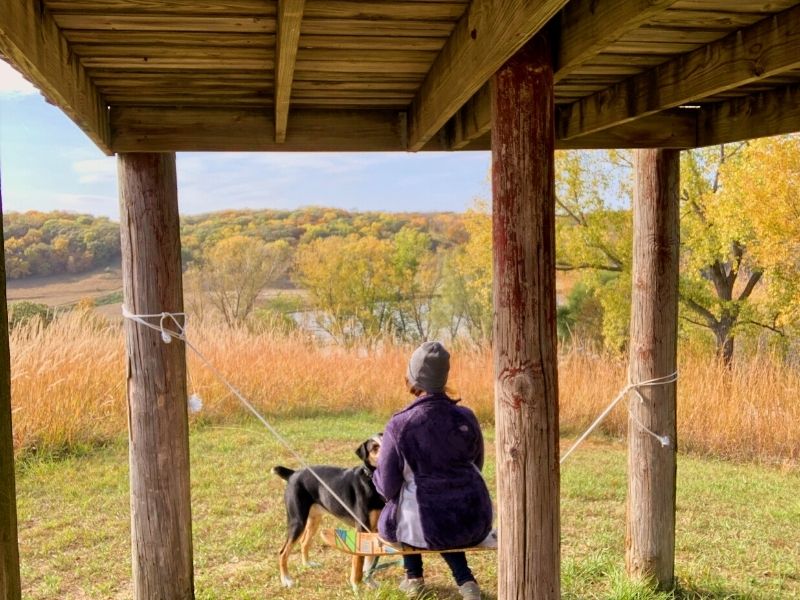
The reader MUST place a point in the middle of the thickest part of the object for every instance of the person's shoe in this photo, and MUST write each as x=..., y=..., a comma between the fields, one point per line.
x=412, y=587
x=470, y=591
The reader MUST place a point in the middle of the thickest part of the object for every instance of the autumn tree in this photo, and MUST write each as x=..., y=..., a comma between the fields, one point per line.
x=594, y=236
x=352, y=284
x=730, y=236
x=236, y=270
x=467, y=279
x=418, y=270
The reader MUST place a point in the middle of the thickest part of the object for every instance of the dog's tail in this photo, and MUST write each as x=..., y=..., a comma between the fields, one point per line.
x=283, y=472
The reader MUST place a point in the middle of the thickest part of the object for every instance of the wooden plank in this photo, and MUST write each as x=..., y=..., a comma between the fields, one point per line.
x=650, y=536
x=161, y=51
x=368, y=27
x=173, y=7
x=161, y=516
x=384, y=9
x=308, y=74
x=124, y=22
x=769, y=113
x=587, y=27
x=524, y=333
x=365, y=66
x=31, y=41
x=488, y=34
x=202, y=61
x=353, y=57
x=371, y=42
x=221, y=39
x=765, y=49
x=290, y=15
x=721, y=20
x=749, y=6
x=160, y=130
x=10, y=583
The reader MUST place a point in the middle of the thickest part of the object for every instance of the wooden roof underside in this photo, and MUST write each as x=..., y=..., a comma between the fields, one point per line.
x=338, y=75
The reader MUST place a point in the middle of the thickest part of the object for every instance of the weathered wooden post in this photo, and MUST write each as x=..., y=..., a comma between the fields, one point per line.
x=9, y=547
x=161, y=523
x=525, y=360
x=650, y=538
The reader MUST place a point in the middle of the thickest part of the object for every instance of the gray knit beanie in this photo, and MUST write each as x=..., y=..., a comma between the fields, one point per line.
x=429, y=367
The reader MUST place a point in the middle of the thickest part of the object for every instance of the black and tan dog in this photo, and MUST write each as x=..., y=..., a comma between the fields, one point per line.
x=307, y=500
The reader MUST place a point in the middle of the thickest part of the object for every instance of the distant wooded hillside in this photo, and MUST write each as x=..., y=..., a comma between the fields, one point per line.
x=47, y=243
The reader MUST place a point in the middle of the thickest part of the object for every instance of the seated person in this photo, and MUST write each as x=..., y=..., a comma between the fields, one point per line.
x=429, y=472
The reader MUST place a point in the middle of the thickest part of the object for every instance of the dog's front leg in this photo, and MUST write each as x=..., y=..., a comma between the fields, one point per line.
x=356, y=572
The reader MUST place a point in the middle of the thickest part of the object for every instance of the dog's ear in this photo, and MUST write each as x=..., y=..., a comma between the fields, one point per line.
x=362, y=451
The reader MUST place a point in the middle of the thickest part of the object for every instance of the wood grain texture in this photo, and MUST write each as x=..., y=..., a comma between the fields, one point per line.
x=161, y=129
x=650, y=534
x=762, y=50
x=31, y=40
x=775, y=112
x=587, y=27
x=525, y=357
x=10, y=586
x=290, y=15
x=161, y=519
x=485, y=37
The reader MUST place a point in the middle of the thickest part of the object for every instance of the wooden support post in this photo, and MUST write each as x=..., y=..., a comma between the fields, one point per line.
x=161, y=523
x=9, y=547
x=525, y=360
x=650, y=539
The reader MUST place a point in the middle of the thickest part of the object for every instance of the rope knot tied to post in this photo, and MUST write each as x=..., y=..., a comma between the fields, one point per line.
x=631, y=386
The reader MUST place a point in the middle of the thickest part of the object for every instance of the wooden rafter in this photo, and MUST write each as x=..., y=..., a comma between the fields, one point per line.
x=775, y=112
x=31, y=40
x=484, y=38
x=767, y=48
x=586, y=27
x=290, y=14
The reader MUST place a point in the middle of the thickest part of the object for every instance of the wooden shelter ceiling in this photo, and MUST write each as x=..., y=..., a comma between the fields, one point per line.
x=152, y=75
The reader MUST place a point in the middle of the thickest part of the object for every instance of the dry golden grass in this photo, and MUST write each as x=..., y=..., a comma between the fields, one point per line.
x=69, y=384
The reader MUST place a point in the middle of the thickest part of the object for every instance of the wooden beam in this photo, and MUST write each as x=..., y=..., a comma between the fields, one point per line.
x=165, y=129
x=161, y=517
x=290, y=15
x=762, y=50
x=769, y=113
x=10, y=586
x=485, y=37
x=31, y=40
x=153, y=129
x=650, y=537
x=585, y=27
x=525, y=355
x=675, y=128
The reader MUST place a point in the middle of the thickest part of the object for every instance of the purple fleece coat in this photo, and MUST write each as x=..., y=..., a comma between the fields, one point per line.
x=441, y=444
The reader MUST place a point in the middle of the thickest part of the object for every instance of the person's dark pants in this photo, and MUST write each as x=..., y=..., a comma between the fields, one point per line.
x=457, y=561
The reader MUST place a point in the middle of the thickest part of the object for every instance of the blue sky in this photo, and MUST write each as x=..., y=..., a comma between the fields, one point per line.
x=48, y=163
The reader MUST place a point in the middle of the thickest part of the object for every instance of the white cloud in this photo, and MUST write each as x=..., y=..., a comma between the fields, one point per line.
x=96, y=170
x=12, y=83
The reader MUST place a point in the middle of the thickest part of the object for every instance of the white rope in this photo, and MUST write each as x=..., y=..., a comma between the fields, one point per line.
x=180, y=334
x=664, y=440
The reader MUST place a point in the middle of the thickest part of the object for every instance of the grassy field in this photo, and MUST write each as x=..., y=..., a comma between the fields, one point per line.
x=69, y=386
x=737, y=525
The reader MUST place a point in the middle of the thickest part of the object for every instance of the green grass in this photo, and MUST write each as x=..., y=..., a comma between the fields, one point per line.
x=738, y=529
